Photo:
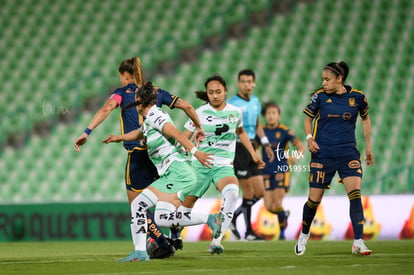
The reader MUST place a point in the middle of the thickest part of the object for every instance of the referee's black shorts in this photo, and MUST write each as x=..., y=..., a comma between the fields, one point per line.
x=244, y=167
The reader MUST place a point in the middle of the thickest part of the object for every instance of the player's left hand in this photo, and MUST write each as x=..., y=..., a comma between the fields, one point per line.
x=112, y=138
x=204, y=158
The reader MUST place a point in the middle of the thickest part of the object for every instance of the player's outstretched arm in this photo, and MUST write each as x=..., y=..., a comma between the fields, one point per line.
x=192, y=114
x=131, y=136
x=171, y=131
x=97, y=119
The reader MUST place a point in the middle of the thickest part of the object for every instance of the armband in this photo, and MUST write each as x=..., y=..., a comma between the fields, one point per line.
x=88, y=131
x=265, y=141
x=193, y=150
x=309, y=136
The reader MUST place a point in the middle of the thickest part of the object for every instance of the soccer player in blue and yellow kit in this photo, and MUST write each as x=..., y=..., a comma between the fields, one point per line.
x=334, y=110
x=139, y=171
x=247, y=172
x=276, y=174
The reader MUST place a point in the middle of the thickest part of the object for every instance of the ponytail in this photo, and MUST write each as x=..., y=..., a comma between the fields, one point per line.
x=137, y=73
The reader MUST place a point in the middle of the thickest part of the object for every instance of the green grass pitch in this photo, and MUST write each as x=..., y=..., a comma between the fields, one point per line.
x=272, y=257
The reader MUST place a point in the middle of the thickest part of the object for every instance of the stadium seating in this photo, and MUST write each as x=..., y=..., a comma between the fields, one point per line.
x=373, y=37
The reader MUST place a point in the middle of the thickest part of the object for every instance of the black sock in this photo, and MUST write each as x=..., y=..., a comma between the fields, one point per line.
x=247, y=213
x=309, y=211
x=155, y=232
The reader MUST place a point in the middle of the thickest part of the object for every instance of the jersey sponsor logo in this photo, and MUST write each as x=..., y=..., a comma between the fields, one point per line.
x=354, y=164
x=316, y=165
x=221, y=128
x=351, y=102
x=346, y=116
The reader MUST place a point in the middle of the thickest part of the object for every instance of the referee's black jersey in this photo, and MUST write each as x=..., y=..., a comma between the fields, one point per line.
x=335, y=118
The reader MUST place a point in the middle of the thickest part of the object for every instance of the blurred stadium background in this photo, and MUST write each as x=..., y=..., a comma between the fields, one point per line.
x=59, y=63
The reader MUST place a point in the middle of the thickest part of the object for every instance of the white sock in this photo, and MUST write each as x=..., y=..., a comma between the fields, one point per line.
x=186, y=217
x=230, y=194
x=139, y=226
x=165, y=214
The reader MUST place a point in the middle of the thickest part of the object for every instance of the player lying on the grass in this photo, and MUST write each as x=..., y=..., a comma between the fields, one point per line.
x=223, y=124
x=177, y=177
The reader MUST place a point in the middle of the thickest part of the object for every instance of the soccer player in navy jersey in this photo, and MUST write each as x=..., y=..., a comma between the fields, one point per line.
x=139, y=171
x=247, y=172
x=331, y=140
x=276, y=174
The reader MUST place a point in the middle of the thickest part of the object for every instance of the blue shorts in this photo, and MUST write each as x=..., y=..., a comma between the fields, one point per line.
x=140, y=172
x=278, y=180
x=322, y=170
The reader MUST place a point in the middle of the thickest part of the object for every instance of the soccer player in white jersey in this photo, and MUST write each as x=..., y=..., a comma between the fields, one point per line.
x=222, y=123
x=177, y=177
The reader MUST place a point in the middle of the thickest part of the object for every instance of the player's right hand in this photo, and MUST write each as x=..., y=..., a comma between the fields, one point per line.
x=313, y=147
x=80, y=141
x=112, y=138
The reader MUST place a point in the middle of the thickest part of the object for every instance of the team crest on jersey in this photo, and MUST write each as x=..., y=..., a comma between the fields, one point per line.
x=329, y=100
x=353, y=164
x=351, y=102
x=277, y=135
x=232, y=119
x=129, y=91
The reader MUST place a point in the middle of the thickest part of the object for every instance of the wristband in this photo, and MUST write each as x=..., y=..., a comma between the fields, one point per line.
x=193, y=150
x=264, y=140
x=309, y=136
x=88, y=131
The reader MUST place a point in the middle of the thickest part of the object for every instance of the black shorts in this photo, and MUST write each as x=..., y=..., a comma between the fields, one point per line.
x=244, y=167
x=140, y=172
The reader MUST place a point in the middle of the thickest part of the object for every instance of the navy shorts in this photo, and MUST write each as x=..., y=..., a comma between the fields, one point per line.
x=140, y=172
x=278, y=180
x=244, y=166
x=322, y=170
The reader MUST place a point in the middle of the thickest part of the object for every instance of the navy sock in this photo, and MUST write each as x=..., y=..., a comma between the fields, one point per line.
x=155, y=232
x=356, y=213
x=309, y=211
x=175, y=232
